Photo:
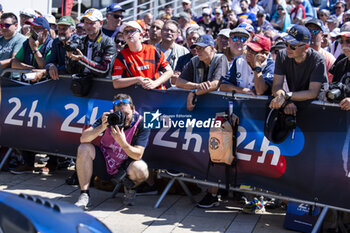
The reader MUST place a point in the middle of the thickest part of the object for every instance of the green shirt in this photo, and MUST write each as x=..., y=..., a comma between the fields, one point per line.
x=20, y=55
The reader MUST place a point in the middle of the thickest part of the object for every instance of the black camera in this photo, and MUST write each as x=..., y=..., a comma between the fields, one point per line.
x=290, y=121
x=34, y=35
x=116, y=119
x=338, y=91
x=73, y=44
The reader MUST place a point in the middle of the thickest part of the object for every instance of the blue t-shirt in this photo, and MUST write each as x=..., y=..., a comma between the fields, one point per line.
x=247, y=15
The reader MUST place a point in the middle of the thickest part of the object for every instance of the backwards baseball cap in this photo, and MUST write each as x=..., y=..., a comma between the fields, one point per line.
x=28, y=12
x=204, y=41
x=39, y=22
x=93, y=14
x=298, y=34
x=132, y=24
x=66, y=20
x=259, y=43
x=316, y=22
x=114, y=7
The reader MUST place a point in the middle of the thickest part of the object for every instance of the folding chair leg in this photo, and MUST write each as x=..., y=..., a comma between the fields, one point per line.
x=5, y=158
x=166, y=190
x=116, y=189
x=187, y=191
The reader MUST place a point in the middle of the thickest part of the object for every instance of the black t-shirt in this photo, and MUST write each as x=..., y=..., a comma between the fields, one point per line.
x=339, y=69
x=141, y=134
x=108, y=32
x=299, y=75
x=216, y=27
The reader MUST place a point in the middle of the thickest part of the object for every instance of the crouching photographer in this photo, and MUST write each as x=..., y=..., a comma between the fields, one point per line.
x=339, y=89
x=119, y=155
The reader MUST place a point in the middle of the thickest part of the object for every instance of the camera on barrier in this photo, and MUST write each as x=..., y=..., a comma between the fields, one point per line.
x=339, y=90
x=73, y=44
x=116, y=119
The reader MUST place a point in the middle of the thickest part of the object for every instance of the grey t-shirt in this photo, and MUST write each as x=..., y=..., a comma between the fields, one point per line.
x=10, y=47
x=299, y=75
x=219, y=66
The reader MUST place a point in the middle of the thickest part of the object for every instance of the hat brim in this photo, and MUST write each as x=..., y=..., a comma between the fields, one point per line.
x=315, y=25
x=34, y=24
x=291, y=40
x=199, y=44
x=255, y=46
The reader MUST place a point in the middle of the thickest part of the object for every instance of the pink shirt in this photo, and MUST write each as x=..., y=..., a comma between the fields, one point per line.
x=330, y=59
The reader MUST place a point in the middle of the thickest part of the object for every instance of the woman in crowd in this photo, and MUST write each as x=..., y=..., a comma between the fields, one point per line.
x=281, y=19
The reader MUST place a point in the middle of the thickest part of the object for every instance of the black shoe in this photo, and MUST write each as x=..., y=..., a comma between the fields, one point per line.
x=208, y=201
x=145, y=189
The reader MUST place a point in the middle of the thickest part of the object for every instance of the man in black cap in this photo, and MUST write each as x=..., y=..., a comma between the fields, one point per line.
x=317, y=29
x=114, y=17
x=303, y=68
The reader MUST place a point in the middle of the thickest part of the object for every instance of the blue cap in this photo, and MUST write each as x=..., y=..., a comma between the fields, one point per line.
x=298, y=34
x=114, y=7
x=204, y=41
x=247, y=27
x=316, y=22
x=39, y=22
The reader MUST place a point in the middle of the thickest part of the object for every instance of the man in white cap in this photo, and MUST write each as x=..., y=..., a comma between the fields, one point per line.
x=95, y=51
x=139, y=63
x=26, y=15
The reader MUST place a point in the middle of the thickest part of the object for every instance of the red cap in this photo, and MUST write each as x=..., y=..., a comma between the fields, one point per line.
x=260, y=42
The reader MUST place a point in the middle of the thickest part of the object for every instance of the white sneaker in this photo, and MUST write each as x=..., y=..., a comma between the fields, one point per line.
x=129, y=196
x=83, y=201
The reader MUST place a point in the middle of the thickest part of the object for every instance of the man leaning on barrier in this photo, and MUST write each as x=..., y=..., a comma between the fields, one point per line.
x=121, y=148
x=95, y=50
x=56, y=62
x=303, y=68
x=339, y=90
x=11, y=41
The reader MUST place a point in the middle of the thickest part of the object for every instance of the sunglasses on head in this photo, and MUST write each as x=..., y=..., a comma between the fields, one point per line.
x=5, y=25
x=293, y=47
x=121, y=102
x=118, y=16
x=342, y=41
x=240, y=38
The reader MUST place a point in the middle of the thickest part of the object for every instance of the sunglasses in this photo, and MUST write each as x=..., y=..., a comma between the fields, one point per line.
x=224, y=6
x=5, y=25
x=121, y=102
x=342, y=41
x=241, y=39
x=346, y=19
x=314, y=31
x=293, y=47
x=122, y=42
x=118, y=16
x=131, y=31
x=338, y=7
x=280, y=9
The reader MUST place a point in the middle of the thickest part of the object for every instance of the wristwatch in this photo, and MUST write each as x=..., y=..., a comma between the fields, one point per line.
x=35, y=51
x=194, y=91
x=288, y=95
x=258, y=69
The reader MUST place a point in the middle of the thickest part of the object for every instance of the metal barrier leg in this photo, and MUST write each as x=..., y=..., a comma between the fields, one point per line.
x=166, y=190
x=187, y=191
x=5, y=158
x=320, y=220
x=115, y=190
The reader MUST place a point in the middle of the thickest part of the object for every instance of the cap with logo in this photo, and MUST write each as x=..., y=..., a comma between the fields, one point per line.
x=132, y=24
x=217, y=11
x=240, y=31
x=39, y=22
x=28, y=12
x=66, y=20
x=298, y=34
x=93, y=14
x=259, y=43
x=247, y=27
x=204, y=41
x=114, y=7
x=344, y=30
x=316, y=22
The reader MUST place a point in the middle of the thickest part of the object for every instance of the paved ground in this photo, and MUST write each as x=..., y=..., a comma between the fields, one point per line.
x=175, y=214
